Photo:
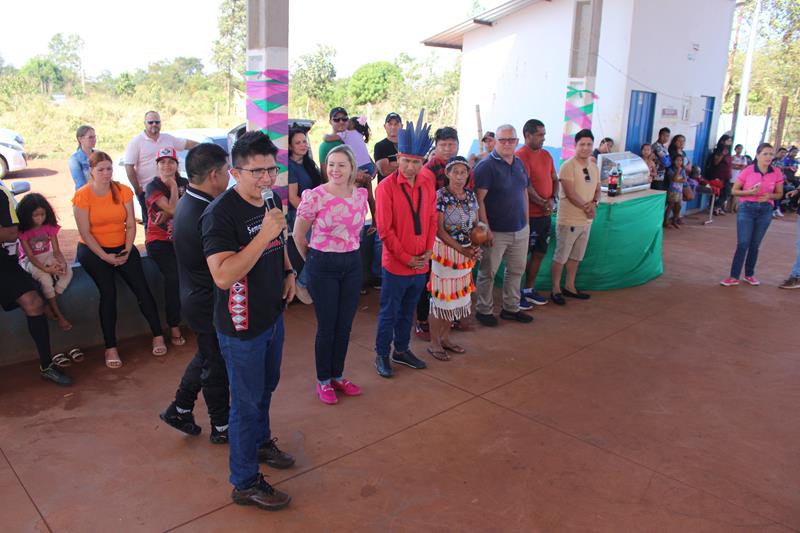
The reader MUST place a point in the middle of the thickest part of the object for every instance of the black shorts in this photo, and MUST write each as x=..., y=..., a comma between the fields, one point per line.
x=540, y=234
x=14, y=282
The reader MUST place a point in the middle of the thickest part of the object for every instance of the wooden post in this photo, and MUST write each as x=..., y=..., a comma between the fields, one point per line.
x=268, y=78
x=735, y=118
x=480, y=128
x=766, y=125
x=781, y=122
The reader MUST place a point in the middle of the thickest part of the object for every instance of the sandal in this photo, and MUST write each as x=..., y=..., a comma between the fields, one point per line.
x=159, y=349
x=61, y=360
x=113, y=360
x=177, y=341
x=455, y=348
x=76, y=355
x=440, y=355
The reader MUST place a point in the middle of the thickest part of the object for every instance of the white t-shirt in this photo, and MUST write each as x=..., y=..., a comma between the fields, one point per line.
x=141, y=153
x=737, y=160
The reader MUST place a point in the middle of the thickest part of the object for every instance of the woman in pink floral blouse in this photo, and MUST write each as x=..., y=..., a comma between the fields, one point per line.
x=336, y=211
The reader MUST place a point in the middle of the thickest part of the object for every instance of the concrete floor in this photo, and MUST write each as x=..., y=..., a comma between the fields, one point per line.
x=667, y=407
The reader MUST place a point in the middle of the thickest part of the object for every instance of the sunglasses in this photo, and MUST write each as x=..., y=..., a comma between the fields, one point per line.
x=340, y=119
x=586, y=175
x=151, y=122
x=507, y=140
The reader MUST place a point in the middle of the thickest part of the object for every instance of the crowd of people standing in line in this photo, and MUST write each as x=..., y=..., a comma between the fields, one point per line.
x=436, y=218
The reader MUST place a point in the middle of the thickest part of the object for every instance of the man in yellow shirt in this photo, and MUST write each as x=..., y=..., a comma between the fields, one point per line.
x=579, y=194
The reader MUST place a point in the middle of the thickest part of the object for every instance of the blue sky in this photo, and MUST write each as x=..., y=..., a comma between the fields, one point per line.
x=121, y=37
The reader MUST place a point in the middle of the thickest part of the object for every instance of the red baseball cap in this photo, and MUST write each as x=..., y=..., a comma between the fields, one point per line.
x=167, y=151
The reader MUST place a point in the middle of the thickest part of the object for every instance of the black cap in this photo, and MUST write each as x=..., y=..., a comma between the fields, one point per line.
x=336, y=110
x=393, y=116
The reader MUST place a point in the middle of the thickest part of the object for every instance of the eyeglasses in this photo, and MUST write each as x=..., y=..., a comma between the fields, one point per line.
x=586, y=175
x=151, y=122
x=260, y=172
x=340, y=119
x=508, y=140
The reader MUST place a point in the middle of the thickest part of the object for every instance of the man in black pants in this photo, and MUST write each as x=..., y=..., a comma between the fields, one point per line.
x=207, y=166
x=18, y=289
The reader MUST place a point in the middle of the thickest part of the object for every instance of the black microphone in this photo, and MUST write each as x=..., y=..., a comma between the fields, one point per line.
x=269, y=198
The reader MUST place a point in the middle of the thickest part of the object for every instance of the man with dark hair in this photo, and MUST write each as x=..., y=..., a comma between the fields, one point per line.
x=662, y=158
x=605, y=147
x=580, y=194
x=445, y=142
x=244, y=247
x=542, y=193
x=501, y=185
x=489, y=142
x=207, y=166
x=407, y=223
x=18, y=289
x=385, y=152
x=338, y=119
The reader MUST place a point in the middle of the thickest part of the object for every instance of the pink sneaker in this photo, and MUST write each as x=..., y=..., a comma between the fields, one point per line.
x=326, y=394
x=347, y=387
x=752, y=280
x=729, y=282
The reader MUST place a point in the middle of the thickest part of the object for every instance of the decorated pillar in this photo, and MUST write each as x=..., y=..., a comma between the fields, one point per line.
x=267, y=77
x=577, y=116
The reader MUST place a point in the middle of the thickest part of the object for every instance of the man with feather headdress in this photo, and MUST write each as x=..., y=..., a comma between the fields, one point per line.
x=407, y=223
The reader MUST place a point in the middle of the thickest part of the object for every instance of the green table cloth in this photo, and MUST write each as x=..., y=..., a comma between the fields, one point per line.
x=624, y=246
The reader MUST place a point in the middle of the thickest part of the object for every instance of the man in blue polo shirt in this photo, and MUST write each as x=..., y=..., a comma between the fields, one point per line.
x=501, y=185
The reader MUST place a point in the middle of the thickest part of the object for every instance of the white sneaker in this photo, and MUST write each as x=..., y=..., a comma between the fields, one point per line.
x=779, y=213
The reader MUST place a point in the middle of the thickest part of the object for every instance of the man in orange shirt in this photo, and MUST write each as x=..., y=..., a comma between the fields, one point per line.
x=542, y=192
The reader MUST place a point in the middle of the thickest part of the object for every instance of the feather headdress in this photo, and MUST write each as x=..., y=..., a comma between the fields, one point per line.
x=415, y=141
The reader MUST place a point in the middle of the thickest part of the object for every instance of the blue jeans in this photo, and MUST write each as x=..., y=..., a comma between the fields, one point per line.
x=399, y=296
x=371, y=250
x=796, y=267
x=334, y=283
x=254, y=369
x=752, y=221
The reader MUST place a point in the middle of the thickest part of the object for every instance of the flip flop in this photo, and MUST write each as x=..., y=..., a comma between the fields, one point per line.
x=113, y=361
x=440, y=355
x=76, y=355
x=455, y=348
x=61, y=360
x=160, y=350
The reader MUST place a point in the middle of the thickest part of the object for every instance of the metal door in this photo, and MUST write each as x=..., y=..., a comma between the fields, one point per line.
x=640, y=120
x=703, y=131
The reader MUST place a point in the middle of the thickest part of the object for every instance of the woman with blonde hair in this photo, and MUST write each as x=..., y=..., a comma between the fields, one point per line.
x=336, y=211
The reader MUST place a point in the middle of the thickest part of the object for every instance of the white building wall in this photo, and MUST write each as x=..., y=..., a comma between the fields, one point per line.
x=517, y=70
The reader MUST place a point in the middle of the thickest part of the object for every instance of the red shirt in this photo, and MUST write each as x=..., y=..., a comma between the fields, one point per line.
x=153, y=191
x=540, y=168
x=395, y=202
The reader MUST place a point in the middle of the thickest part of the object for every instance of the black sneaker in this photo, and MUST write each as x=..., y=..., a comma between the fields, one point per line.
x=181, y=421
x=262, y=495
x=51, y=373
x=383, y=366
x=518, y=316
x=218, y=437
x=486, y=320
x=409, y=359
x=274, y=457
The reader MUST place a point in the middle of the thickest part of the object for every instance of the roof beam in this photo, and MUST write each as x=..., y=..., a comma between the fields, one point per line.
x=483, y=22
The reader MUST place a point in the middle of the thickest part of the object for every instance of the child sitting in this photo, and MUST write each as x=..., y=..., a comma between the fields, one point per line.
x=41, y=256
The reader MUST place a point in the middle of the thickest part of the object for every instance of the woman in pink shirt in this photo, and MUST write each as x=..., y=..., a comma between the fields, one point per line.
x=756, y=187
x=336, y=211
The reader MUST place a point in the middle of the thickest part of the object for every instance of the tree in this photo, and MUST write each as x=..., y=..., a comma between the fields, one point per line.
x=370, y=84
x=44, y=72
x=124, y=85
x=229, y=48
x=66, y=51
x=313, y=74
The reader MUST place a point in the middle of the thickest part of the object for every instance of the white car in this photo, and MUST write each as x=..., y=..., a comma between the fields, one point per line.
x=12, y=152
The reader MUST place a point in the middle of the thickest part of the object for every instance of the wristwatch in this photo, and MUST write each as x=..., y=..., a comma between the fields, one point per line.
x=289, y=272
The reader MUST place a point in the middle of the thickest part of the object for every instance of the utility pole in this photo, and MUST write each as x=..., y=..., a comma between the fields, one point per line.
x=781, y=122
x=268, y=77
x=748, y=61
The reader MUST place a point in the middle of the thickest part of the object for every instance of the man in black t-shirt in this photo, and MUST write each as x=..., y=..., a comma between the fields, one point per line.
x=207, y=166
x=244, y=247
x=18, y=289
x=385, y=152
